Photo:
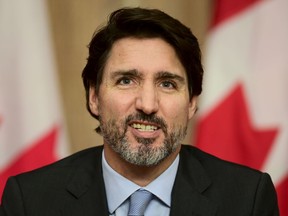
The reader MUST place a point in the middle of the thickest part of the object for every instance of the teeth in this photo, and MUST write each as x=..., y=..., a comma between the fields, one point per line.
x=143, y=127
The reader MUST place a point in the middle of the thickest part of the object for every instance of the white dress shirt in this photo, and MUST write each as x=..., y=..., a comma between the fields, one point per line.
x=119, y=189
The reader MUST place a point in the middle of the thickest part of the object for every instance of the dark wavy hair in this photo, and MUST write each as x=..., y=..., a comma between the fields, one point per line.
x=143, y=23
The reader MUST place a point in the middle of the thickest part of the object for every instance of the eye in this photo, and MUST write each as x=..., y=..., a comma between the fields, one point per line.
x=168, y=84
x=124, y=81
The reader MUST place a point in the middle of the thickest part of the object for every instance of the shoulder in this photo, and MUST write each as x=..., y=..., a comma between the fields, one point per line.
x=234, y=188
x=53, y=186
x=222, y=174
x=83, y=159
x=213, y=164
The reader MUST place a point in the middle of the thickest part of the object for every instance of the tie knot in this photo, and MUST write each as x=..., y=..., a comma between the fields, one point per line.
x=139, y=200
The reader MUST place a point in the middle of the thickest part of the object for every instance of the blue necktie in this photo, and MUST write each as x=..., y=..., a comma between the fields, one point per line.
x=139, y=200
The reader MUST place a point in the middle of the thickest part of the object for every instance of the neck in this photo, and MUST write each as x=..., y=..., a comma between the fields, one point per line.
x=140, y=175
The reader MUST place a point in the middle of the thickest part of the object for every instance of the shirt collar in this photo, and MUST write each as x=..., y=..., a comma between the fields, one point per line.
x=166, y=180
x=118, y=188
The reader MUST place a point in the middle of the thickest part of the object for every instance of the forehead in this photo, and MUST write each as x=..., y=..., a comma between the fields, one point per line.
x=149, y=55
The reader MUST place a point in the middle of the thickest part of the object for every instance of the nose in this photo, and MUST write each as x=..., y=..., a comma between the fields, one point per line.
x=147, y=100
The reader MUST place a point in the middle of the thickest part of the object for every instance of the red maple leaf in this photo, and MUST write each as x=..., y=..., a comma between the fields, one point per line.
x=41, y=153
x=227, y=132
x=225, y=9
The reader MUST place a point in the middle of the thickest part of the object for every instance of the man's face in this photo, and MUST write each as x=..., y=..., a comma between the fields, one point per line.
x=143, y=102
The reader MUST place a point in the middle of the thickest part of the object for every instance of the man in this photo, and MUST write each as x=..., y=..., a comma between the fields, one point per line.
x=142, y=80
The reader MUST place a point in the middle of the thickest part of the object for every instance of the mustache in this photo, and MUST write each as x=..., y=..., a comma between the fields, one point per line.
x=153, y=118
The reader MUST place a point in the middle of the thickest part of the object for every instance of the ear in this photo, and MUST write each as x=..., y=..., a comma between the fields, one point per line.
x=93, y=101
x=192, y=107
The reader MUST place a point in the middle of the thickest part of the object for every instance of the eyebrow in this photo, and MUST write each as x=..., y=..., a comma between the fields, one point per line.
x=132, y=72
x=159, y=75
x=169, y=75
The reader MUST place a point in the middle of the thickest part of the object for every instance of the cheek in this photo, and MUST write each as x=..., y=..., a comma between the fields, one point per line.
x=115, y=106
x=176, y=111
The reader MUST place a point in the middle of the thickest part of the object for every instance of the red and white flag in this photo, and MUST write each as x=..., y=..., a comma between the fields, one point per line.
x=31, y=123
x=244, y=107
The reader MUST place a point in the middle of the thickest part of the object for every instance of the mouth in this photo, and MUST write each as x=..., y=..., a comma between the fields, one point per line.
x=145, y=130
x=144, y=127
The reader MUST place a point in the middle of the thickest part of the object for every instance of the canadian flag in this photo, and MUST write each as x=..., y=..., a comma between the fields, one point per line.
x=32, y=132
x=244, y=107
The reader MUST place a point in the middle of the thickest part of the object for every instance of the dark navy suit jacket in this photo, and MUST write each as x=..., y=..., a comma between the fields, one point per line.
x=204, y=186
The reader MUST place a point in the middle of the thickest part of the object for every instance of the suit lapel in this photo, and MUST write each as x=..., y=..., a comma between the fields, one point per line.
x=86, y=188
x=190, y=183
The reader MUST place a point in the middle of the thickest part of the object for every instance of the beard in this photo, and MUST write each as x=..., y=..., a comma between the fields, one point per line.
x=145, y=154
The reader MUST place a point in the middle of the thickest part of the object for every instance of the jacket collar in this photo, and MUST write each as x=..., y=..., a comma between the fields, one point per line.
x=88, y=189
x=190, y=184
x=87, y=186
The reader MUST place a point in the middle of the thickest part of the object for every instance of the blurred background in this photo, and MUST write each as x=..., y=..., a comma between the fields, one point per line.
x=242, y=113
